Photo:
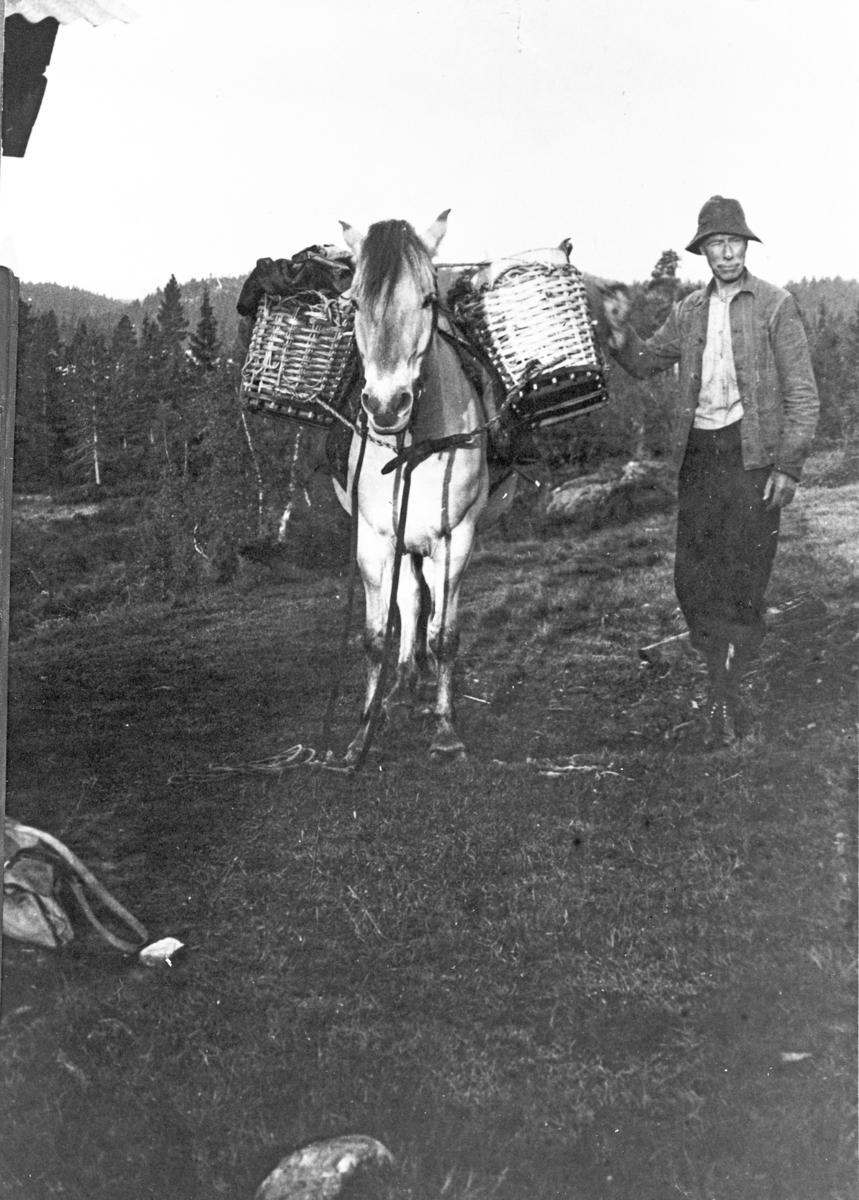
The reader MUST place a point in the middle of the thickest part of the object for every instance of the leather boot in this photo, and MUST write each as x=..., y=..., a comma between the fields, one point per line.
x=726, y=717
x=720, y=706
x=736, y=664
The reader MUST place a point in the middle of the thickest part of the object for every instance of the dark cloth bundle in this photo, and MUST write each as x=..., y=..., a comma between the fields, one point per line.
x=322, y=269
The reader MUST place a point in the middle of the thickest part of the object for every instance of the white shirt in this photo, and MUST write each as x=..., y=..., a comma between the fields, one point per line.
x=719, y=401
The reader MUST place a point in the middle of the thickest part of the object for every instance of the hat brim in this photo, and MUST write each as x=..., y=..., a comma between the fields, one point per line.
x=694, y=246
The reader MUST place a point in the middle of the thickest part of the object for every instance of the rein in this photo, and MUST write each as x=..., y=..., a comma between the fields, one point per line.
x=375, y=711
x=407, y=457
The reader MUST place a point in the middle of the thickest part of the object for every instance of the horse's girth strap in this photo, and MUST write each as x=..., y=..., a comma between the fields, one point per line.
x=416, y=453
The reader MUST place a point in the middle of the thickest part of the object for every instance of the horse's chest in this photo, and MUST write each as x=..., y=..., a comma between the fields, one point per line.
x=445, y=490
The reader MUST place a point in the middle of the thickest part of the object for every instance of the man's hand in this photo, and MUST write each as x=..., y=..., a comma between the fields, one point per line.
x=616, y=306
x=780, y=489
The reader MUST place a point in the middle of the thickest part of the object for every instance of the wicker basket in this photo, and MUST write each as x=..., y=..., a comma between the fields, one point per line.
x=302, y=351
x=532, y=322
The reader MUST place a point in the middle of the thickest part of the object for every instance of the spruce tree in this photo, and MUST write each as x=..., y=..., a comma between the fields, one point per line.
x=28, y=426
x=171, y=379
x=851, y=384
x=205, y=370
x=205, y=345
x=827, y=359
x=128, y=418
x=123, y=341
x=147, y=388
x=86, y=375
x=666, y=267
x=40, y=433
x=56, y=436
x=172, y=323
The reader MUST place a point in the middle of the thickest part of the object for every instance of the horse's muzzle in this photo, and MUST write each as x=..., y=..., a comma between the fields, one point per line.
x=390, y=416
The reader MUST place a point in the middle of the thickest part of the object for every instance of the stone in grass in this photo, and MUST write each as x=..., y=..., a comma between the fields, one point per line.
x=613, y=497
x=320, y=1171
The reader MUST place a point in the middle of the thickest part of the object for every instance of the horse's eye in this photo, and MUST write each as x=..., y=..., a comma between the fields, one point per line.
x=429, y=300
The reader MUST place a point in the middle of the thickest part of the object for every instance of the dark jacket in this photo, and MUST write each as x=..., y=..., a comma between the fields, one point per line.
x=772, y=363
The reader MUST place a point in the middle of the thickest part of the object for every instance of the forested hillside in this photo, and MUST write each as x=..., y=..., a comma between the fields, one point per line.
x=839, y=296
x=72, y=305
x=142, y=400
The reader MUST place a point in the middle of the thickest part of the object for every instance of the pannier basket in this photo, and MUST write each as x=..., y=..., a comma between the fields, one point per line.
x=302, y=360
x=531, y=320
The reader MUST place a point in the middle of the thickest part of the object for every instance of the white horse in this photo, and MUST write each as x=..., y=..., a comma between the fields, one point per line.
x=415, y=393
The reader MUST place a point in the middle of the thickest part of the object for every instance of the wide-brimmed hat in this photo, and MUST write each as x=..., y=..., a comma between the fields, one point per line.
x=720, y=216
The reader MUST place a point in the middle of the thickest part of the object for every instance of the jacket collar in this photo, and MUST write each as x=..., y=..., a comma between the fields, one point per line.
x=749, y=284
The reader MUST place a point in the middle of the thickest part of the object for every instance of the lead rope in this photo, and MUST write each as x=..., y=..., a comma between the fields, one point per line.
x=375, y=710
x=407, y=458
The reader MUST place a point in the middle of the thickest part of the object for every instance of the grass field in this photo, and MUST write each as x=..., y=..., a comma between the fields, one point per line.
x=592, y=961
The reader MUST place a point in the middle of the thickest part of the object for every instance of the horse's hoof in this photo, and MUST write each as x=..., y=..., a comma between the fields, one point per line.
x=353, y=752
x=446, y=757
x=442, y=752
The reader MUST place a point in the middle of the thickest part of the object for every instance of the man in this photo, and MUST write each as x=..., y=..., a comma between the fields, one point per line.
x=745, y=422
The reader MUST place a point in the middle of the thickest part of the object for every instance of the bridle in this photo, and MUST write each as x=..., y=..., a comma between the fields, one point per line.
x=432, y=301
x=406, y=458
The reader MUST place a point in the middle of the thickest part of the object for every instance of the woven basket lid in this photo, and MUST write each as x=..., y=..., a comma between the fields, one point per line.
x=550, y=256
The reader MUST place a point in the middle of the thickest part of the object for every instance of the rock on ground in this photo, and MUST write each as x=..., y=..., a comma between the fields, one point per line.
x=320, y=1171
x=632, y=491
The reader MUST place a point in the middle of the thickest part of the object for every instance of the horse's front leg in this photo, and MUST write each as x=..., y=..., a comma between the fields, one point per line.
x=402, y=694
x=375, y=560
x=449, y=562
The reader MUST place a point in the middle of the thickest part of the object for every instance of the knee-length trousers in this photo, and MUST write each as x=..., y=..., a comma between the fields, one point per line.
x=726, y=543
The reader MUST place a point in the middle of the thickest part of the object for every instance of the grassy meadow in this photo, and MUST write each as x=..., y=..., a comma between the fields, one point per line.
x=592, y=961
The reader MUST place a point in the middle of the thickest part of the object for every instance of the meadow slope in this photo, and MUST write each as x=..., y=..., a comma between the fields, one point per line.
x=592, y=961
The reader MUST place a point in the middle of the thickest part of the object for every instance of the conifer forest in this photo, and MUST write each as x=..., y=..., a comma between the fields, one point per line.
x=140, y=404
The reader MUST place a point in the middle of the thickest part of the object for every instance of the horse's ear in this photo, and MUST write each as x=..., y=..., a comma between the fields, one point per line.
x=353, y=237
x=432, y=238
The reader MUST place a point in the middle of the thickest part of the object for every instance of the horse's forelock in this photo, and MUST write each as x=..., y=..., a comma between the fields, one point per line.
x=389, y=249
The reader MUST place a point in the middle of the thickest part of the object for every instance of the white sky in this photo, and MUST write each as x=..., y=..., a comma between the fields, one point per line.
x=210, y=133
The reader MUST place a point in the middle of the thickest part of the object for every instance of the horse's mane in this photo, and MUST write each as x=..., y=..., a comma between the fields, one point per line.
x=389, y=249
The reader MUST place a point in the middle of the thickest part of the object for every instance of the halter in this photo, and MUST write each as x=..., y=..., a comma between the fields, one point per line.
x=421, y=380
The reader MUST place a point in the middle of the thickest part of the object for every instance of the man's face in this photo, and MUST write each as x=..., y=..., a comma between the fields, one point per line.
x=726, y=255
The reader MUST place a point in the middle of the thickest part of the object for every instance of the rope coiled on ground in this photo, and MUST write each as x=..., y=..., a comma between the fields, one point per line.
x=287, y=760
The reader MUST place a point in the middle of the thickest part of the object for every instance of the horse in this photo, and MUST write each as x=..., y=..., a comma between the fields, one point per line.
x=427, y=423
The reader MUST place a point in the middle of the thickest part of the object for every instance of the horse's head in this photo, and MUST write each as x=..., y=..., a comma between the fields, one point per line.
x=395, y=295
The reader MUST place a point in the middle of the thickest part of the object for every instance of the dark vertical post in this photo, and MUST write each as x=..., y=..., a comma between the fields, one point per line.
x=8, y=363
x=8, y=366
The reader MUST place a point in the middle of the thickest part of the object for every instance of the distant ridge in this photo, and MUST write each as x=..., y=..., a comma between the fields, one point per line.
x=841, y=296
x=72, y=305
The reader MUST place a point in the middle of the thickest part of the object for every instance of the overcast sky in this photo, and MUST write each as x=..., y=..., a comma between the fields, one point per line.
x=210, y=133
